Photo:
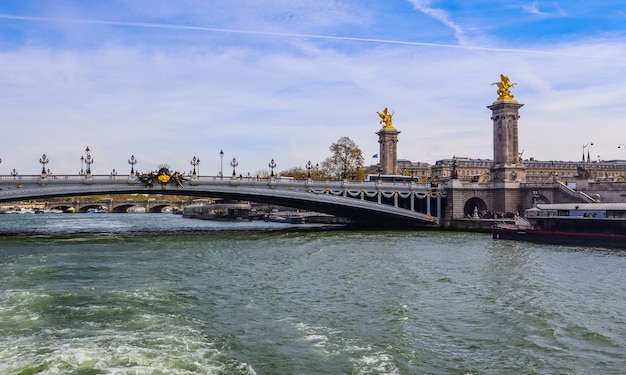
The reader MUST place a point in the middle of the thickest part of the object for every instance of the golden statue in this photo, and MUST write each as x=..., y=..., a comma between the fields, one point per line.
x=386, y=118
x=163, y=178
x=504, y=89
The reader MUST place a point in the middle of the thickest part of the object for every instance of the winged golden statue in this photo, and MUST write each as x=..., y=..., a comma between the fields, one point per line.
x=386, y=118
x=504, y=88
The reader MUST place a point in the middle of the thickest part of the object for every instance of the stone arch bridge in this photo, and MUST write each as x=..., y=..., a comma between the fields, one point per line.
x=115, y=206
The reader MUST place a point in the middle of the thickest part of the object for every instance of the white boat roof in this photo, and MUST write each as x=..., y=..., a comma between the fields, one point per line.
x=583, y=206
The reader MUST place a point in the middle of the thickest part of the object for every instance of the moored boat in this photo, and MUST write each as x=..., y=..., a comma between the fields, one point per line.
x=99, y=210
x=284, y=217
x=584, y=224
x=226, y=211
x=18, y=210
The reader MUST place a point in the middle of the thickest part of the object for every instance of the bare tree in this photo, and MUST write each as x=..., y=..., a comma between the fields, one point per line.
x=345, y=161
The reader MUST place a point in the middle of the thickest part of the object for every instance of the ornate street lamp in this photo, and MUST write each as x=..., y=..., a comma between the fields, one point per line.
x=584, y=147
x=195, y=161
x=88, y=162
x=113, y=173
x=309, y=166
x=221, y=164
x=43, y=160
x=82, y=161
x=234, y=164
x=132, y=161
x=272, y=165
x=14, y=173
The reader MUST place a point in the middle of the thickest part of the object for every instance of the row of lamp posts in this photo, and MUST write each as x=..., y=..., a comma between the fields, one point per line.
x=195, y=162
x=87, y=160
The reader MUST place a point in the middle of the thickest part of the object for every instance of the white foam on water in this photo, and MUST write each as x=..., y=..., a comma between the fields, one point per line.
x=163, y=343
x=376, y=363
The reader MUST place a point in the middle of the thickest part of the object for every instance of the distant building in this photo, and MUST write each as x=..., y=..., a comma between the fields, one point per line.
x=478, y=170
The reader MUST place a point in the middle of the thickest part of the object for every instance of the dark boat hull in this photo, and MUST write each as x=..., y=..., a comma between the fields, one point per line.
x=562, y=238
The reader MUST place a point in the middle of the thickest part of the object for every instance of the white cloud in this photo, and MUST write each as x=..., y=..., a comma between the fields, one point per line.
x=554, y=9
x=440, y=15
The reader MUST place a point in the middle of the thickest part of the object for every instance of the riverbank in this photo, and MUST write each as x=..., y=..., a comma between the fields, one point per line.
x=471, y=225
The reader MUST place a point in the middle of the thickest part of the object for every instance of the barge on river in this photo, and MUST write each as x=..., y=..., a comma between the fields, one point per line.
x=583, y=224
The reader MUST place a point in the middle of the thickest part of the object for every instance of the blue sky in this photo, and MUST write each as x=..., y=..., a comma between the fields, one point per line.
x=169, y=80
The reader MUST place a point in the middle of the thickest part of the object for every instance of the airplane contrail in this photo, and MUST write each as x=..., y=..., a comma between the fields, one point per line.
x=267, y=33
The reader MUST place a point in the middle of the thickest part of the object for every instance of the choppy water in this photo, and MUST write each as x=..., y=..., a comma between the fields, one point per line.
x=158, y=294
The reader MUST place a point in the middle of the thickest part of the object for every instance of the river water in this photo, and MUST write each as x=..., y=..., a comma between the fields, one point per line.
x=158, y=294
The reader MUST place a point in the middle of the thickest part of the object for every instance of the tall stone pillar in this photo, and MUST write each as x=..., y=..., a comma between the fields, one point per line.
x=508, y=169
x=508, y=165
x=388, y=155
x=388, y=139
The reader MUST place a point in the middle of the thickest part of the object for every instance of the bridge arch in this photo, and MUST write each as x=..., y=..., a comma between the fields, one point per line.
x=474, y=204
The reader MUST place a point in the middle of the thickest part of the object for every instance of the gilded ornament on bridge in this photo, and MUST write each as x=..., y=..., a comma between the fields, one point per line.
x=162, y=176
x=504, y=89
x=386, y=118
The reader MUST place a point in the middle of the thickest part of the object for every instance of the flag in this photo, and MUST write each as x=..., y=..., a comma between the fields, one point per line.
x=375, y=156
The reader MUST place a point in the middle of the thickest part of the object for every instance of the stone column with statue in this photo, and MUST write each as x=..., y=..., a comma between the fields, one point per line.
x=508, y=169
x=388, y=140
x=508, y=165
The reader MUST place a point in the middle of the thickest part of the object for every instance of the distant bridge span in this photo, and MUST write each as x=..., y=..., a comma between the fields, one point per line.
x=374, y=203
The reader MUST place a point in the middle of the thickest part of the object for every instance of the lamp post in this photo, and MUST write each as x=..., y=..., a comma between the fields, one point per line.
x=195, y=161
x=221, y=164
x=584, y=147
x=132, y=161
x=309, y=166
x=234, y=164
x=14, y=173
x=113, y=173
x=88, y=162
x=272, y=165
x=82, y=162
x=44, y=160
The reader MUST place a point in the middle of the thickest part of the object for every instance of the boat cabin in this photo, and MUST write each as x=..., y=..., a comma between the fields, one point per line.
x=578, y=210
